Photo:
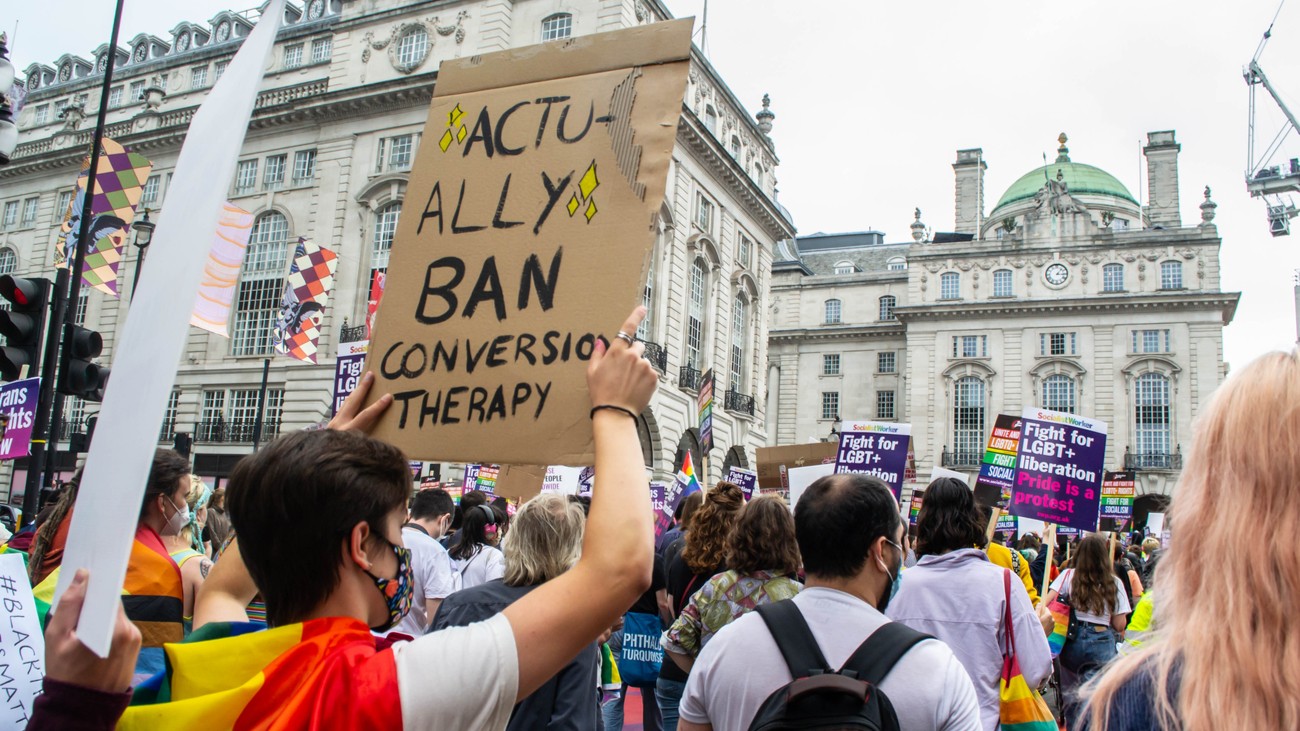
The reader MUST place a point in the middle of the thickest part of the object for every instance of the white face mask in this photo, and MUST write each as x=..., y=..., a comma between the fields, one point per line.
x=178, y=520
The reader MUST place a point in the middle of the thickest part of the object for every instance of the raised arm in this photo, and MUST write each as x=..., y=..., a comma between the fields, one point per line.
x=225, y=594
x=552, y=623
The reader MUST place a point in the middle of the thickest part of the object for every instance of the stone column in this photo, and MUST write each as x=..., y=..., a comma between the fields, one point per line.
x=1162, y=179
x=969, y=170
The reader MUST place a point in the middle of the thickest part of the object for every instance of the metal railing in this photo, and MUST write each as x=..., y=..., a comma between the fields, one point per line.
x=657, y=355
x=738, y=402
x=1153, y=460
x=235, y=431
x=168, y=431
x=352, y=333
x=689, y=377
x=960, y=459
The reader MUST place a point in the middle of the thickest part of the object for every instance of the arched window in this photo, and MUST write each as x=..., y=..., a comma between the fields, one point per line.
x=896, y=264
x=695, y=312
x=832, y=312
x=1002, y=283
x=412, y=47
x=1058, y=393
x=381, y=243
x=261, y=285
x=845, y=267
x=949, y=286
x=968, y=420
x=1171, y=275
x=1151, y=433
x=887, y=304
x=1112, y=278
x=711, y=118
x=8, y=261
x=739, y=341
x=555, y=27
x=735, y=147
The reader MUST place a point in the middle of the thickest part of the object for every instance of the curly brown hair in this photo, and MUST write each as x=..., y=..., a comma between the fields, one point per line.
x=706, y=533
x=763, y=539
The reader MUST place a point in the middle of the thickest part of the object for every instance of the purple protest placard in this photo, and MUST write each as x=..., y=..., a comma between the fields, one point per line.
x=746, y=480
x=877, y=449
x=471, y=477
x=662, y=508
x=348, y=368
x=1059, y=469
x=17, y=415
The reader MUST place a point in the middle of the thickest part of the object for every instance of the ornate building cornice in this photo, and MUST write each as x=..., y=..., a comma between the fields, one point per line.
x=837, y=332
x=1224, y=302
x=691, y=133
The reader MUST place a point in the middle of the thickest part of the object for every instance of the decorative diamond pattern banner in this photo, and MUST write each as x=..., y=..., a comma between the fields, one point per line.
x=307, y=290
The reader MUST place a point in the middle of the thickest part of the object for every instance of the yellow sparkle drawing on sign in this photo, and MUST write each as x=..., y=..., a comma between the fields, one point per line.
x=460, y=134
x=589, y=183
x=453, y=119
x=445, y=141
x=573, y=205
x=591, y=210
x=455, y=115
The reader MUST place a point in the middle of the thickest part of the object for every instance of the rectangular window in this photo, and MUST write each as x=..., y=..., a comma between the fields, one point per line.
x=1171, y=275
x=887, y=304
x=256, y=307
x=273, y=174
x=293, y=56
x=557, y=26
x=169, y=417
x=739, y=342
x=830, y=404
x=887, y=362
x=137, y=90
x=246, y=177
x=199, y=77
x=970, y=346
x=83, y=303
x=61, y=207
x=1151, y=341
x=29, y=211
x=743, y=252
x=218, y=70
x=115, y=97
x=831, y=365
x=212, y=419
x=833, y=312
x=1112, y=278
x=1058, y=344
x=1002, y=283
x=149, y=194
x=703, y=213
x=695, y=315
x=949, y=286
x=11, y=214
x=399, y=153
x=321, y=49
x=885, y=405
x=42, y=115
x=304, y=167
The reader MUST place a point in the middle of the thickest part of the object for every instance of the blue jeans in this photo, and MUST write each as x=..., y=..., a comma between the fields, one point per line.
x=668, y=693
x=1082, y=658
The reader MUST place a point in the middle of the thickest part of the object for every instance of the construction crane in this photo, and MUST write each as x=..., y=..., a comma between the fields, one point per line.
x=1273, y=183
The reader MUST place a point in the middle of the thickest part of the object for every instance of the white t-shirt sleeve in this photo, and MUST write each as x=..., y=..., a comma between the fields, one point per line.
x=1061, y=585
x=1122, y=606
x=436, y=693
x=495, y=567
x=440, y=575
x=694, y=706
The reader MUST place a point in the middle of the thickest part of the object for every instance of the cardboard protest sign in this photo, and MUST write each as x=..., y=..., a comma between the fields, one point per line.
x=917, y=497
x=487, y=479
x=802, y=477
x=705, y=403
x=519, y=482
x=1117, y=492
x=746, y=480
x=526, y=237
x=774, y=463
x=348, y=367
x=22, y=644
x=17, y=416
x=998, y=470
x=877, y=449
x=1058, y=470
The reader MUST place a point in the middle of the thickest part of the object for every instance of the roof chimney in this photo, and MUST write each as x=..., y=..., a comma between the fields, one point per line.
x=1162, y=179
x=969, y=169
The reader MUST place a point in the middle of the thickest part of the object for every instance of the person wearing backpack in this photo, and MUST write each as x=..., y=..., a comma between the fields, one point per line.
x=850, y=538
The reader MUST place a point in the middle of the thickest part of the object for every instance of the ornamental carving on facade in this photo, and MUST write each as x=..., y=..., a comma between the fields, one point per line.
x=1187, y=254
x=1018, y=263
x=935, y=267
x=430, y=25
x=964, y=266
x=1094, y=258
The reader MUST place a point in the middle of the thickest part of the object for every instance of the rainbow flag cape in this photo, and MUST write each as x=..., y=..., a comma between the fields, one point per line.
x=324, y=673
x=610, y=679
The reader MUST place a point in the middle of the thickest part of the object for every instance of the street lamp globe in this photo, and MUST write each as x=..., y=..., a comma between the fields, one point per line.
x=143, y=230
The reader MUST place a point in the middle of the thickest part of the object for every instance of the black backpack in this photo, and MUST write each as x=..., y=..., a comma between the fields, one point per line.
x=821, y=698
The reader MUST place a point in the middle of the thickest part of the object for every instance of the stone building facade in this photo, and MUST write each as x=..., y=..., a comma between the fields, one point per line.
x=337, y=122
x=1068, y=294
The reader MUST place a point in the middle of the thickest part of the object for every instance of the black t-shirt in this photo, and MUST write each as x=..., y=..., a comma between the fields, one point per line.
x=649, y=603
x=682, y=585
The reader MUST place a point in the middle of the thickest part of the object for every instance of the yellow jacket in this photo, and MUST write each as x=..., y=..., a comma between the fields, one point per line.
x=1009, y=559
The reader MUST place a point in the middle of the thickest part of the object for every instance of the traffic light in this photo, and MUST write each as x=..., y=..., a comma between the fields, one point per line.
x=22, y=324
x=78, y=375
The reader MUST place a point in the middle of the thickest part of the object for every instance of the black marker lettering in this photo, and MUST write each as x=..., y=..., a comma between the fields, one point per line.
x=432, y=212
x=553, y=194
x=456, y=228
x=488, y=287
x=431, y=411
x=477, y=398
x=522, y=392
x=472, y=358
x=384, y=369
x=501, y=126
x=444, y=292
x=541, y=401
x=564, y=115
x=498, y=348
x=448, y=359
x=482, y=132
x=406, y=397
x=545, y=287
x=524, y=346
x=546, y=114
x=452, y=403
x=501, y=206
x=498, y=405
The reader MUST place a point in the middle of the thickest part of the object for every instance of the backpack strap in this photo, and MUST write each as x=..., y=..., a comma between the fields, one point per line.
x=795, y=640
x=875, y=657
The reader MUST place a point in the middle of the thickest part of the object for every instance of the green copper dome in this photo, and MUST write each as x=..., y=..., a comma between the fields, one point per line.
x=1081, y=179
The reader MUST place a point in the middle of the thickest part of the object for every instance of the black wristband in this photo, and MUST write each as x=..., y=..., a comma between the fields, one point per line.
x=612, y=407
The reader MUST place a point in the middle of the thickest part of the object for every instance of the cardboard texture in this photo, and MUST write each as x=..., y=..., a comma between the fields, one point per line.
x=774, y=462
x=526, y=236
x=520, y=482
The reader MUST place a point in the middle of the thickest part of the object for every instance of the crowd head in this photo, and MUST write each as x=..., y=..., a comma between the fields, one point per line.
x=763, y=538
x=544, y=541
x=949, y=519
x=841, y=522
x=706, y=537
x=166, y=493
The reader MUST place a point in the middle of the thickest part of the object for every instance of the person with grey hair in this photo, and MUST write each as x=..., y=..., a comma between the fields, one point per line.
x=544, y=541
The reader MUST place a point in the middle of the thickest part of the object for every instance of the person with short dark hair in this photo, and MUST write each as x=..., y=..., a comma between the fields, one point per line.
x=430, y=565
x=957, y=595
x=850, y=538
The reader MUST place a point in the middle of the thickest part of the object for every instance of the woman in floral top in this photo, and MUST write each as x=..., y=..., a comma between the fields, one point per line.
x=763, y=556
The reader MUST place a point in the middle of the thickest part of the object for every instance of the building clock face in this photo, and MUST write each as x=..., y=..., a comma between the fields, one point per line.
x=1056, y=274
x=316, y=9
x=223, y=32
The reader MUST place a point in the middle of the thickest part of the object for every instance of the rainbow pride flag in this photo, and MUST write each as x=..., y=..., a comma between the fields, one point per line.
x=686, y=482
x=323, y=673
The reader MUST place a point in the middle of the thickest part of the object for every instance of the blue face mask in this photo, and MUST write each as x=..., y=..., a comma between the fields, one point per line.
x=895, y=576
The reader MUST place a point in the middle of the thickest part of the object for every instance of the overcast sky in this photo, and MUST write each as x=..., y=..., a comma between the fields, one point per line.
x=874, y=98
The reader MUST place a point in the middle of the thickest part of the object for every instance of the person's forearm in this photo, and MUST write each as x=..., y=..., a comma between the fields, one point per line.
x=619, y=536
x=685, y=662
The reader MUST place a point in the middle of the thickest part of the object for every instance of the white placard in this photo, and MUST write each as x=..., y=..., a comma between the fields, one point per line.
x=937, y=472
x=1155, y=524
x=22, y=646
x=153, y=339
x=1029, y=525
x=802, y=477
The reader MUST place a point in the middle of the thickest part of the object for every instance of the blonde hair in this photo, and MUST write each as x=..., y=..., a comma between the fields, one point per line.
x=1223, y=629
x=544, y=541
x=192, y=498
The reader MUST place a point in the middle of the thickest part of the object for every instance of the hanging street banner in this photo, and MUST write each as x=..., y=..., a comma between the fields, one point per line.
x=1059, y=469
x=348, y=367
x=530, y=218
x=221, y=273
x=998, y=470
x=376, y=294
x=746, y=480
x=705, y=404
x=878, y=449
x=17, y=417
x=306, y=293
x=1118, y=489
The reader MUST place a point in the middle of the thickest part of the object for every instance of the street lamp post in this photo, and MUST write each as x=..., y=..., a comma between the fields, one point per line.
x=143, y=236
x=8, y=130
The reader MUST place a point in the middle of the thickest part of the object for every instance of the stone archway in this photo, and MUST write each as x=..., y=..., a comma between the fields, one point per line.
x=735, y=457
x=689, y=442
x=1146, y=504
x=647, y=431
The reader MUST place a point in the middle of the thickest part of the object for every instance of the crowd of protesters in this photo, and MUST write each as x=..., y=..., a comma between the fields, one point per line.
x=314, y=591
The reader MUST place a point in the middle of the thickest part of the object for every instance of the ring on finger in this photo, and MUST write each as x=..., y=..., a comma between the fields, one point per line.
x=626, y=338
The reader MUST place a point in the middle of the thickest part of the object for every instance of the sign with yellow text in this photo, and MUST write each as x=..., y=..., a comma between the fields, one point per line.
x=525, y=237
